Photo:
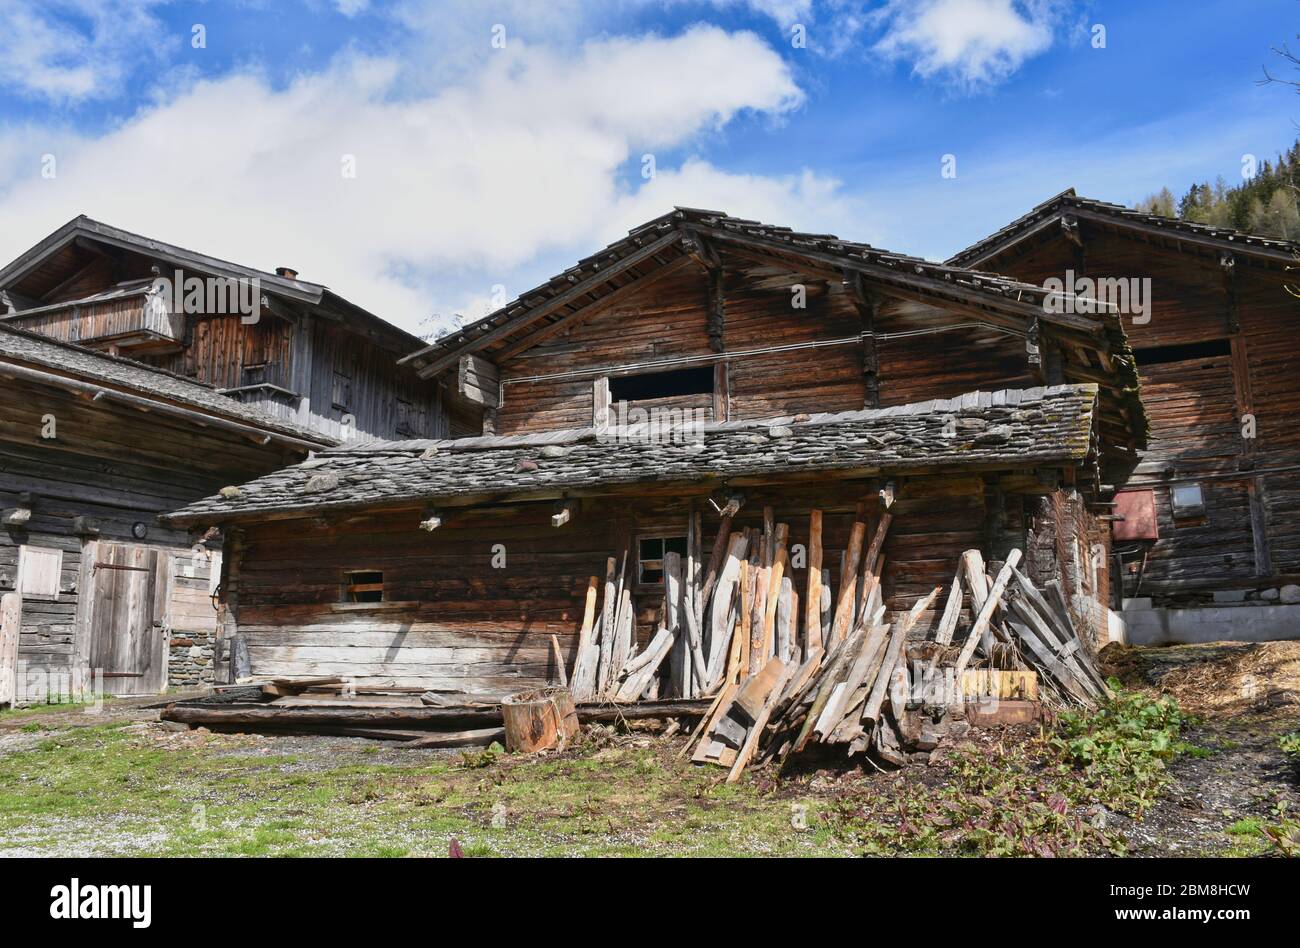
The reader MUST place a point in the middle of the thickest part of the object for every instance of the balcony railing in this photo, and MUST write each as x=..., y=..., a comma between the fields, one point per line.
x=130, y=319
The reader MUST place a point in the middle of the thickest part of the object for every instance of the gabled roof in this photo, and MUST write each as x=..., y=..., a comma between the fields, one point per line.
x=1095, y=347
x=670, y=241
x=83, y=228
x=1005, y=430
x=89, y=369
x=1049, y=214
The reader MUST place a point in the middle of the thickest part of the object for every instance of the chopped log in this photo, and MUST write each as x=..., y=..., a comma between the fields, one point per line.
x=787, y=612
x=845, y=698
x=758, y=579
x=877, y=547
x=723, y=609
x=539, y=720
x=831, y=677
x=992, y=600
x=812, y=602
x=893, y=654
x=607, y=629
x=1069, y=673
x=746, y=596
x=585, y=664
x=644, y=666
x=559, y=661
x=716, y=558
x=1054, y=609
x=1051, y=666
x=828, y=610
x=845, y=609
x=621, y=650
x=951, y=613
x=563, y=513
x=773, y=600
x=679, y=668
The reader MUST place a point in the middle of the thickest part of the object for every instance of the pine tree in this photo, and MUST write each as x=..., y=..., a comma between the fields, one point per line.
x=1264, y=205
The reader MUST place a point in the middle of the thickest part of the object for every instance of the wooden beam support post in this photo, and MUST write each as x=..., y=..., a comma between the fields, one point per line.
x=866, y=303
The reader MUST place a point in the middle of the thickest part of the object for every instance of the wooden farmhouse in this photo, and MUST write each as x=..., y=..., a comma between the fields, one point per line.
x=307, y=355
x=93, y=447
x=1211, y=528
x=704, y=396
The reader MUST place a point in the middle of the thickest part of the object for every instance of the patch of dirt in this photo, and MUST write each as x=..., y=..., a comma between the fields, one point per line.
x=1216, y=680
x=1244, y=697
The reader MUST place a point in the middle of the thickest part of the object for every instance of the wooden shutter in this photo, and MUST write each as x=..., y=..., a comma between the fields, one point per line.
x=39, y=571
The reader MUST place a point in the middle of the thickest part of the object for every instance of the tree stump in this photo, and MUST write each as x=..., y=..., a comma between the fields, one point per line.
x=537, y=720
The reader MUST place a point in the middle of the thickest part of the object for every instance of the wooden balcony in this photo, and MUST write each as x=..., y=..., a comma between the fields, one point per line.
x=126, y=319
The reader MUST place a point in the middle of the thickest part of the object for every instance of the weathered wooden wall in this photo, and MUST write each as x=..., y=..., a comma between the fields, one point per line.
x=1250, y=533
x=116, y=467
x=454, y=620
x=670, y=319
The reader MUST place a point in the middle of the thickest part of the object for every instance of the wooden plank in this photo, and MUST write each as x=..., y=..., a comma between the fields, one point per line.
x=812, y=602
x=11, y=620
x=844, y=610
x=786, y=672
x=991, y=602
x=586, y=664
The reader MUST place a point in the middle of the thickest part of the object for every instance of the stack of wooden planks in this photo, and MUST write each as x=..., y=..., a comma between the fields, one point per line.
x=888, y=688
x=727, y=616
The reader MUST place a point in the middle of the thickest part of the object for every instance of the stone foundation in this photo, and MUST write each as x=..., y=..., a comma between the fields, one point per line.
x=190, y=659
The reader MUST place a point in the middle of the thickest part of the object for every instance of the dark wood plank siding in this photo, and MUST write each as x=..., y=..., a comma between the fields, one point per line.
x=1197, y=404
x=113, y=465
x=457, y=620
x=670, y=320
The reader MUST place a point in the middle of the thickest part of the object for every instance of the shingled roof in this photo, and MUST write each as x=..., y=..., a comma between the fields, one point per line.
x=1068, y=202
x=19, y=347
x=668, y=239
x=978, y=431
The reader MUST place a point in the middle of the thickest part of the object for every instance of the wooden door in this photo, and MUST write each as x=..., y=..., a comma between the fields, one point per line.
x=128, y=634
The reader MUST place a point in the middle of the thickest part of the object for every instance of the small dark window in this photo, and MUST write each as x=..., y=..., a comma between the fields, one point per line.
x=650, y=556
x=631, y=388
x=1159, y=355
x=344, y=370
x=365, y=585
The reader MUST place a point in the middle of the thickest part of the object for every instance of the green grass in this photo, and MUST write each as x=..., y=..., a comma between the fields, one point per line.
x=1047, y=797
x=110, y=789
x=40, y=710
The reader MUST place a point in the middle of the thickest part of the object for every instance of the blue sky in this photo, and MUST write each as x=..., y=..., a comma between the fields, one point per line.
x=482, y=167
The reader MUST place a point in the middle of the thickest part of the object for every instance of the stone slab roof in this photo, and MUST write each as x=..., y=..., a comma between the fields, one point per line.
x=1015, y=428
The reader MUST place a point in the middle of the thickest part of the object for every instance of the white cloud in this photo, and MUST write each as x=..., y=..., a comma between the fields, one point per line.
x=72, y=50
x=455, y=189
x=977, y=42
x=351, y=8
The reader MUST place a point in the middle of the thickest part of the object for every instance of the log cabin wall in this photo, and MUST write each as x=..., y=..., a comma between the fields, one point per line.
x=1220, y=345
x=106, y=469
x=324, y=365
x=472, y=605
x=672, y=319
